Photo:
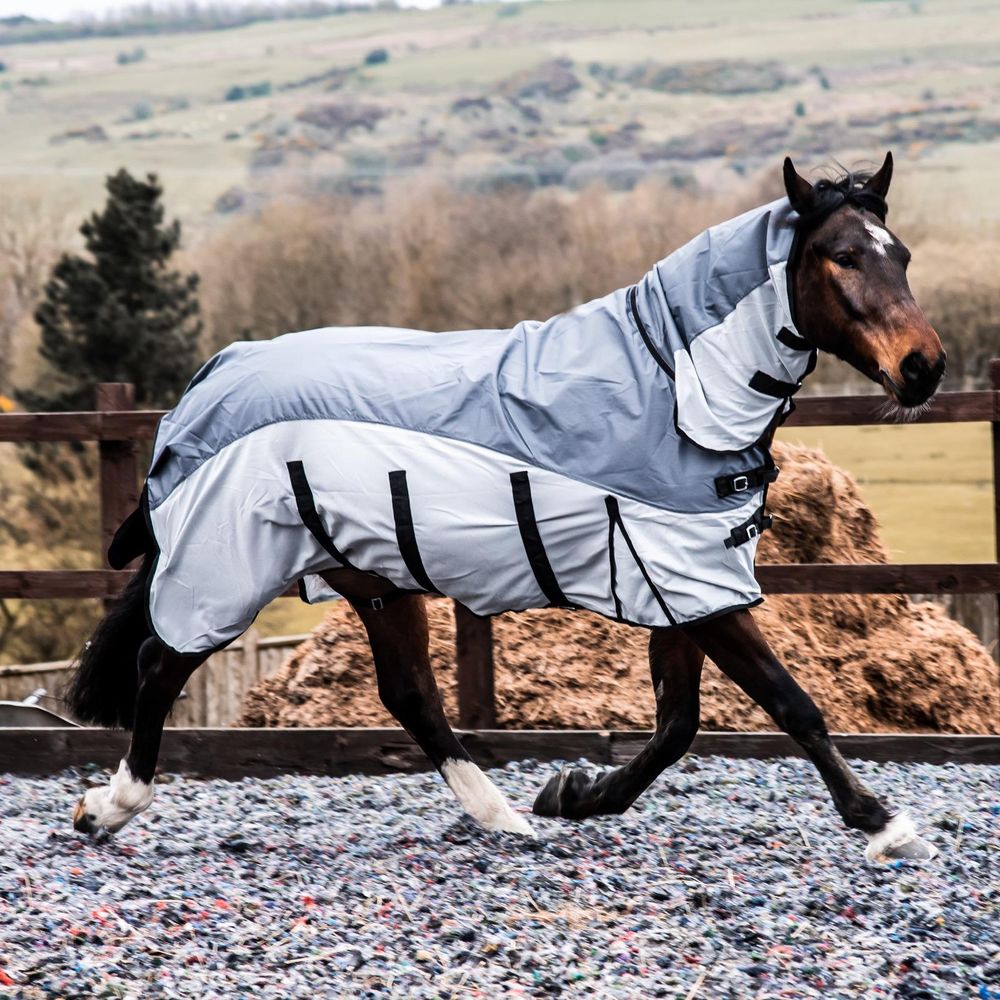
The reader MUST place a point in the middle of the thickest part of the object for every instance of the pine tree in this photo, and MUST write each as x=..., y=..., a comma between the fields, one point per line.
x=119, y=314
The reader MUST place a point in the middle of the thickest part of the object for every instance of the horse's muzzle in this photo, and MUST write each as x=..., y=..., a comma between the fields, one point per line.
x=919, y=378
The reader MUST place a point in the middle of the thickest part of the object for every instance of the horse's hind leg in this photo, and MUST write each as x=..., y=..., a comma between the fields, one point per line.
x=399, y=640
x=675, y=668
x=743, y=654
x=162, y=676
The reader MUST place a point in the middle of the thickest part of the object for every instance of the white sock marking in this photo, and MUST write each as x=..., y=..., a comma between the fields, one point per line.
x=899, y=830
x=481, y=799
x=114, y=806
x=881, y=238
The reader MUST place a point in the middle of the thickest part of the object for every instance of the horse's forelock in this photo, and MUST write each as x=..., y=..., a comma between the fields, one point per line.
x=828, y=194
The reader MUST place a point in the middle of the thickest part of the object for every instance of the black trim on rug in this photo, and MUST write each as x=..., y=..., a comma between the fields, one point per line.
x=640, y=326
x=615, y=519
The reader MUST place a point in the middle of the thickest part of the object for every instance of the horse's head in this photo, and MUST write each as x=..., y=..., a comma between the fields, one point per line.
x=850, y=291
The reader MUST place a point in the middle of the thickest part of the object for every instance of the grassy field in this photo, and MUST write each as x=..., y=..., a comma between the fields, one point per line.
x=930, y=486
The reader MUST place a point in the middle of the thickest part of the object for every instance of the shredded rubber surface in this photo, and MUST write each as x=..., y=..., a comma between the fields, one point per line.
x=729, y=879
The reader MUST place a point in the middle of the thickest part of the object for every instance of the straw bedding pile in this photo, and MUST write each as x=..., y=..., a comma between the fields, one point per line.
x=875, y=664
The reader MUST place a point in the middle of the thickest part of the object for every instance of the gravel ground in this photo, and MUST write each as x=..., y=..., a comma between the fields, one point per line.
x=732, y=879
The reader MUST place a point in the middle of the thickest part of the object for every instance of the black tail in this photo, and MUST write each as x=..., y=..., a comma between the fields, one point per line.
x=103, y=686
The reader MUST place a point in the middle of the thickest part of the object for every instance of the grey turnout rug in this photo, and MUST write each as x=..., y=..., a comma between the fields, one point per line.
x=609, y=458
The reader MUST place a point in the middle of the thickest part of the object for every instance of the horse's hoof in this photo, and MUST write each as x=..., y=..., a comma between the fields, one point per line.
x=899, y=841
x=84, y=821
x=564, y=795
x=913, y=850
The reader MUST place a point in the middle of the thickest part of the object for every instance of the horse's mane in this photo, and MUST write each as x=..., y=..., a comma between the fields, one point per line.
x=828, y=194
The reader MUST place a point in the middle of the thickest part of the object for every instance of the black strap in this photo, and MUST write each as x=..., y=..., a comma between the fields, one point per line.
x=307, y=511
x=615, y=517
x=751, y=528
x=657, y=357
x=612, y=510
x=534, y=548
x=369, y=603
x=770, y=386
x=793, y=340
x=740, y=482
x=405, y=536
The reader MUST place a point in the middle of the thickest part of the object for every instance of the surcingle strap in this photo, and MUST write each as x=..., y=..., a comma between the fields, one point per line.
x=406, y=536
x=531, y=538
x=771, y=386
x=750, y=528
x=740, y=482
x=306, y=505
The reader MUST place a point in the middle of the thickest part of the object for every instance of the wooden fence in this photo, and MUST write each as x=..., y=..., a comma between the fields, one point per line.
x=263, y=753
x=213, y=697
x=117, y=427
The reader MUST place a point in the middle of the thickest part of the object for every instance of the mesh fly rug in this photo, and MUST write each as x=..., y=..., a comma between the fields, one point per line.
x=612, y=458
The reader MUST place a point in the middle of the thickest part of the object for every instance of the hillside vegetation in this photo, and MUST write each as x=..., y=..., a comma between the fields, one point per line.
x=535, y=93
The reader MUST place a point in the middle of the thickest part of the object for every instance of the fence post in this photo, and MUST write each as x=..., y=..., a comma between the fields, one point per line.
x=474, y=657
x=118, y=468
x=995, y=427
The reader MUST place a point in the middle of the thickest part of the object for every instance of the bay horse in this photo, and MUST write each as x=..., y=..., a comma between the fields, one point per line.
x=614, y=458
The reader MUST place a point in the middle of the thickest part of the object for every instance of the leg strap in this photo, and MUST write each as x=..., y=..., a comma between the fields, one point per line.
x=378, y=603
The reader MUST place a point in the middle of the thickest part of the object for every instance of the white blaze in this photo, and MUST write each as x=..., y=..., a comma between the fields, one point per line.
x=881, y=238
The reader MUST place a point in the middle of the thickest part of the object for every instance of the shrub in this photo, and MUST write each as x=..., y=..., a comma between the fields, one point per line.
x=377, y=56
x=240, y=92
x=135, y=55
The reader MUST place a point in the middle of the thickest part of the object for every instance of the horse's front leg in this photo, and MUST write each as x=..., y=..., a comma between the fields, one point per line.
x=675, y=669
x=736, y=645
x=162, y=676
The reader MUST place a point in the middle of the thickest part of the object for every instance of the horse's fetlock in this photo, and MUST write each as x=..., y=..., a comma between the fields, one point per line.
x=866, y=814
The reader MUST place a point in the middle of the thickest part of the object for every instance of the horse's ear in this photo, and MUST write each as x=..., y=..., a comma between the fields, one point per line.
x=797, y=188
x=879, y=182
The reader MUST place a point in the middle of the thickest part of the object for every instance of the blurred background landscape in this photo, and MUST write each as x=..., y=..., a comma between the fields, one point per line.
x=474, y=164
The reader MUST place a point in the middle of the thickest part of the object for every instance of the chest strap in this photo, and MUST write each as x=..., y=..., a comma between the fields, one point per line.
x=740, y=482
x=768, y=385
x=749, y=529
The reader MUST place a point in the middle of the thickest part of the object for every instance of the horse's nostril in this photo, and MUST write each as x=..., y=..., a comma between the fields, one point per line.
x=915, y=369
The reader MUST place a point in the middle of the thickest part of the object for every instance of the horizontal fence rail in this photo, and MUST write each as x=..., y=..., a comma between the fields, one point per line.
x=775, y=578
x=117, y=428
x=982, y=406
x=264, y=753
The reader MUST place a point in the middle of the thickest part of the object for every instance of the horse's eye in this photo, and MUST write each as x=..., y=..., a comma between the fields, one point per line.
x=844, y=260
